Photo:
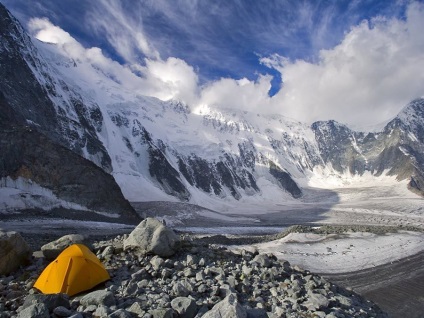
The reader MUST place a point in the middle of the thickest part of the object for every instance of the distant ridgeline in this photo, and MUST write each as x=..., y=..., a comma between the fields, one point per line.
x=53, y=130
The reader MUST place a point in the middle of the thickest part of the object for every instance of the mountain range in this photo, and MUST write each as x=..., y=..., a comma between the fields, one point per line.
x=74, y=135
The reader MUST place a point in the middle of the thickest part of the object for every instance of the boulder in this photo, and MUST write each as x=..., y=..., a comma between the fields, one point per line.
x=53, y=249
x=35, y=311
x=99, y=297
x=152, y=237
x=162, y=313
x=185, y=307
x=51, y=301
x=229, y=307
x=263, y=260
x=14, y=252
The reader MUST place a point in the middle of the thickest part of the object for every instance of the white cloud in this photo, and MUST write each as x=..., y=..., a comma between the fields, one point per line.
x=170, y=79
x=238, y=94
x=366, y=79
x=47, y=32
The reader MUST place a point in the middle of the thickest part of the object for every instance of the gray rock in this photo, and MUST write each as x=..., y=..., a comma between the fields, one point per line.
x=120, y=313
x=53, y=249
x=162, y=313
x=263, y=260
x=316, y=301
x=200, y=276
x=151, y=236
x=99, y=297
x=14, y=252
x=203, y=310
x=180, y=290
x=107, y=252
x=190, y=260
x=101, y=311
x=51, y=301
x=137, y=309
x=35, y=311
x=62, y=311
x=256, y=313
x=185, y=307
x=227, y=308
x=156, y=262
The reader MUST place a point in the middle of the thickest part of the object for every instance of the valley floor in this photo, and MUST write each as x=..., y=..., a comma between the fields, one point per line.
x=387, y=266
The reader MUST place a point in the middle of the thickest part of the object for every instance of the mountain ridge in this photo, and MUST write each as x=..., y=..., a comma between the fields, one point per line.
x=164, y=150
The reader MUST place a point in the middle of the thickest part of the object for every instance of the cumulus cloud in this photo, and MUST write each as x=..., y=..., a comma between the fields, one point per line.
x=238, y=94
x=366, y=79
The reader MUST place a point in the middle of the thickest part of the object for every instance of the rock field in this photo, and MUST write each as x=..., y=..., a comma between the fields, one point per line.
x=199, y=280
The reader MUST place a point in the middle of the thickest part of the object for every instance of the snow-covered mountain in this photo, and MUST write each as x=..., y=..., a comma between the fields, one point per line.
x=166, y=150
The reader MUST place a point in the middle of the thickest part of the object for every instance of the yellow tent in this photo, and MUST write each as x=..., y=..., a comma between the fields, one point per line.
x=76, y=269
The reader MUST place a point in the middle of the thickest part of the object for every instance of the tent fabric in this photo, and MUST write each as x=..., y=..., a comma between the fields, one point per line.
x=75, y=270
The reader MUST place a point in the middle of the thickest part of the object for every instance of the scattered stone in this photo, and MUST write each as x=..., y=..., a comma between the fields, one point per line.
x=214, y=283
x=62, y=311
x=120, y=313
x=53, y=249
x=229, y=307
x=184, y=306
x=51, y=301
x=101, y=311
x=136, y=308
x=152, y=237
x=35, y=311
x=162, y=313
x=98, y=297
x=263, y=260
x=14, y=252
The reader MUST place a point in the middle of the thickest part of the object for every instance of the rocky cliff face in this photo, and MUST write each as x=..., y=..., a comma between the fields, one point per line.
x=33, y=159
x=41, y=142
x=397, y=150
x=40, y=98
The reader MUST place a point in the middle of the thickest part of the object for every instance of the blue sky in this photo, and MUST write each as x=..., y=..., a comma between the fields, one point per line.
x=229, y=39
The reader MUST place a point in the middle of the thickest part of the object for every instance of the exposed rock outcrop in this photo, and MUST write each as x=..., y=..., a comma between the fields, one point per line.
x=28, y=154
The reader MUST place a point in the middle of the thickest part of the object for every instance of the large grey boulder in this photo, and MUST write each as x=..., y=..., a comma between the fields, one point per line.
x=51, y=301
x=227, y=308
x=185, y=307
x=99, y=297
x=14, y=252
x=53, y=249
x=152, y=237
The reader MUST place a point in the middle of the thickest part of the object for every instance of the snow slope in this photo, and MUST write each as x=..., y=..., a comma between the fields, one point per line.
x=219, y=158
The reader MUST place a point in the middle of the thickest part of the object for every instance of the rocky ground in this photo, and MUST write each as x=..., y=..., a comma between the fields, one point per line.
x=200, y=280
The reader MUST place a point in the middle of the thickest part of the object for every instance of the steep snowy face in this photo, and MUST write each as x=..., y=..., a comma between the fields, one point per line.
x=219, y=153
x=45, y=127
x=40, y=98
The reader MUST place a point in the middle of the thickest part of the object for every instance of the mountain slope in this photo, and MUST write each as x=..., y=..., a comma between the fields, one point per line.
x=39, y=97
x=166, y=150
x=39, y=126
